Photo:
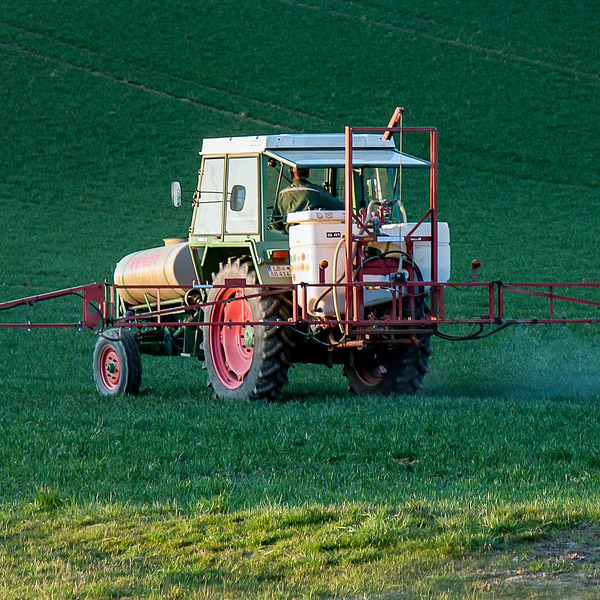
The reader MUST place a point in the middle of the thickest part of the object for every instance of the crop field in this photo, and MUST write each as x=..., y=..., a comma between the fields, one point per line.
x=487, y=485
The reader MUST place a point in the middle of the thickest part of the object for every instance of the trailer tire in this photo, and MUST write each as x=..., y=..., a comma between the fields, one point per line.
x=390, y=370
x=244, y=362
x=117, y=364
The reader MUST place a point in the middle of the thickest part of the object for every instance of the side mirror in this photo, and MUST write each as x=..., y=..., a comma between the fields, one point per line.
x=238, y=197
x=176, y=193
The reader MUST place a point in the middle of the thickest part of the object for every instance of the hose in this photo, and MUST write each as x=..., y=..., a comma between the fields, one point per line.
x=370, y=206
x=473, y=336
x=336, y=308
x=402, y=211
x=322, y=295
x=409, y=259
x=460, y=338
x=314, y=338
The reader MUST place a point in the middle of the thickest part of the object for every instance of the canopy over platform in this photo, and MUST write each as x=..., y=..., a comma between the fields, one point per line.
x=336, y=158
x=317, y=150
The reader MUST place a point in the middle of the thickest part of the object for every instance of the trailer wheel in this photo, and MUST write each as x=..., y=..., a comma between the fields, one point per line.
x=244, y=362
x=390, y=370
x=117, y=364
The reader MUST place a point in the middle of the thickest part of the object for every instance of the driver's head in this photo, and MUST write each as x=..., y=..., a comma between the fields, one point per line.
x=299, y=173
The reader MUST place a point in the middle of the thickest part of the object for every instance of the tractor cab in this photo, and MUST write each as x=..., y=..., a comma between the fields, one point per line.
x=241, y=178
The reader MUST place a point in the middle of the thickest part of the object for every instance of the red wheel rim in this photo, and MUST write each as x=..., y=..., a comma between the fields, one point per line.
x=230, y=350
x=110, y=368
x=371, y=370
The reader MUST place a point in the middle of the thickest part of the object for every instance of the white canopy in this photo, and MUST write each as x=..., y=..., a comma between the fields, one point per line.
x=316, y=150
x=319, y=158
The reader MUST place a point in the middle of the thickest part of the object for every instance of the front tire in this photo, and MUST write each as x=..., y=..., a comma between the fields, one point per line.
x=117, y=364
x=244, y=362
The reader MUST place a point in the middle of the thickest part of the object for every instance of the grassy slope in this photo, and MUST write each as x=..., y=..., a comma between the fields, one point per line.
x=171, y=492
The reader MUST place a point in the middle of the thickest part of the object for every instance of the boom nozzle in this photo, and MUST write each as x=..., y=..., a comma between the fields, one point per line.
x=475, y=266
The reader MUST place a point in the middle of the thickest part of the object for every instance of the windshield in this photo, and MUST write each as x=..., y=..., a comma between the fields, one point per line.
x=372, y=186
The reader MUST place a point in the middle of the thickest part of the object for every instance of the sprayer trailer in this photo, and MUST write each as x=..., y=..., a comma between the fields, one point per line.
x=355, y=275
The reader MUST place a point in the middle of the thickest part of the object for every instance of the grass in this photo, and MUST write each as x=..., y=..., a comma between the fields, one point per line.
x=484, y=487
x=173, y=494
x=416, y=551
x=149, y=450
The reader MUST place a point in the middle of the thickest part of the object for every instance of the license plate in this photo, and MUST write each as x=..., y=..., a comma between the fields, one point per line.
x=279, y=270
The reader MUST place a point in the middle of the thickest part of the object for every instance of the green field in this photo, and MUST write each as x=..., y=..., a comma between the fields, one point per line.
x=486, y=486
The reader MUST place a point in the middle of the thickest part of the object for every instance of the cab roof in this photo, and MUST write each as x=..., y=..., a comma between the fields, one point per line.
x=316, y=150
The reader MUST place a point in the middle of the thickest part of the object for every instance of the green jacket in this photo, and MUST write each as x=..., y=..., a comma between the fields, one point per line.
x=301, y=194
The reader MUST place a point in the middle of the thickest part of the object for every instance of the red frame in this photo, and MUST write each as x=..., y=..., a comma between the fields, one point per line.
x=353, y=301
x=103, y=295
x=104, y=313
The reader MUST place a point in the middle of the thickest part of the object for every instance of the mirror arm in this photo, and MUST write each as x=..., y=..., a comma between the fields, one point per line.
x=195, y=201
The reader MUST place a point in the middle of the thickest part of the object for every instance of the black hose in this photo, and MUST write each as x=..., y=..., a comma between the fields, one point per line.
x=409, y=259
x=473, y=336
x=315, y=339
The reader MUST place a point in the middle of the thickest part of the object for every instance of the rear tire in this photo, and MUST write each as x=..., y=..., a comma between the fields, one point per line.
x=244, y=362
x=117, y=364
x=390, y=370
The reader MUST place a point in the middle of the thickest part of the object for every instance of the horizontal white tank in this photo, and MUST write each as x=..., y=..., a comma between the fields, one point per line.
x=315, y=235
x=170, y=264
x=392, y=237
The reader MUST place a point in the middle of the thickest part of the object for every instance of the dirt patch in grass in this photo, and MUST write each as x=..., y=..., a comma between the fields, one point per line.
x=565, y=564
x=580, y=544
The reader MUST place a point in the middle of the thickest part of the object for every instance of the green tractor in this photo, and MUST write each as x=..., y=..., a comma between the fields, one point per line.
x=250, y=297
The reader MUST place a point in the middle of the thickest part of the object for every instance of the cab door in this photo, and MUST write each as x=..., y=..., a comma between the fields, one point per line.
x=241, y=204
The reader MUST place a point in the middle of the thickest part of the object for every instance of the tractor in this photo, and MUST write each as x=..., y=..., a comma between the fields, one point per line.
x=250, y=298
x=250, y=294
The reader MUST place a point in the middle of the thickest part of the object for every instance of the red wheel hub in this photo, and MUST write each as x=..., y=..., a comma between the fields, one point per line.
x=110, y=368
x=371, y=369
x=231, y=346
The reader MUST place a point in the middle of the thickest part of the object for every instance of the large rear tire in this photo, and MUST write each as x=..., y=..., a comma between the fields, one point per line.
x=393, y=369
x=390, y=370
x=244, y=362
x=117, y=364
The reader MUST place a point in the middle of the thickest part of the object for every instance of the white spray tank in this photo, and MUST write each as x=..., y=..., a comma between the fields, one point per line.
x=316, y=238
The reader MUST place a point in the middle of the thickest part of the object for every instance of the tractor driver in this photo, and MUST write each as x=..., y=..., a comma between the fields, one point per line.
x=301, y=194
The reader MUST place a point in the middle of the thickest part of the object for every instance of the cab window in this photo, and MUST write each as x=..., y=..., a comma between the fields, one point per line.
x=209, y=212
x=241, y=214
